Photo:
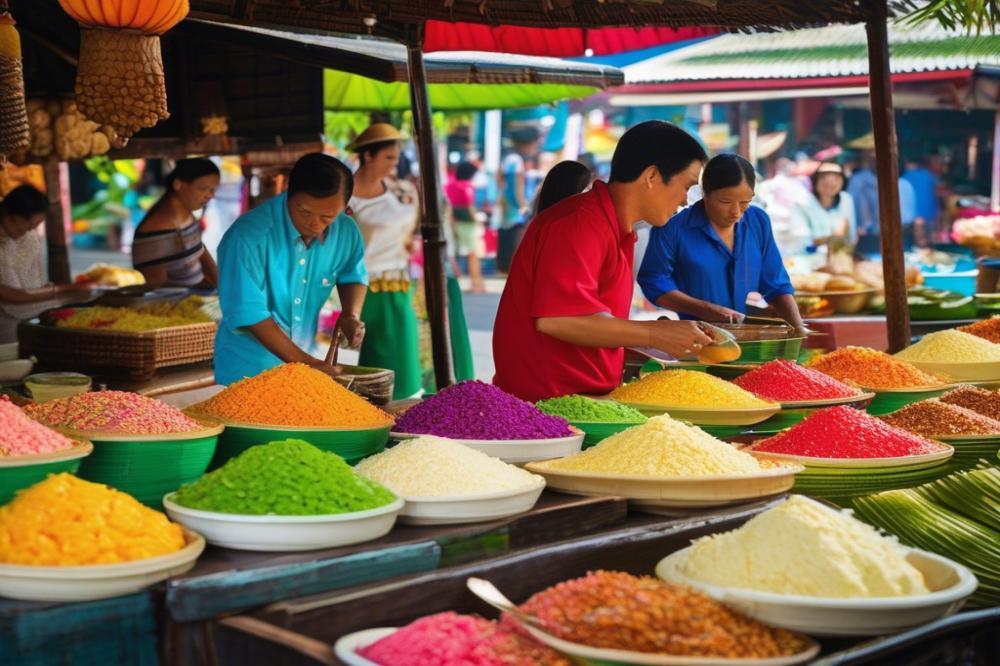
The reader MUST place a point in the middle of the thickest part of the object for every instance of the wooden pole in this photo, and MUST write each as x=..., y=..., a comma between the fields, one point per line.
x=431, y=228
x=995, y=189
x=897, y=311
x=57, y=220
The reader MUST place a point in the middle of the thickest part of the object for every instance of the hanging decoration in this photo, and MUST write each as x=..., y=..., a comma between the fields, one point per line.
x=14, y=134
x=120, y=81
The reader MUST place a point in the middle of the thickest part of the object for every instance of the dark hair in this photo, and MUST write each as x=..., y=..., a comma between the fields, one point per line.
x=563, y=181
x=187, y=171
x=24, y=201
x=374, y=149
x=465, y=171
x=321, y=176
x=817, y=174
x=727, y=170
x=654, y=143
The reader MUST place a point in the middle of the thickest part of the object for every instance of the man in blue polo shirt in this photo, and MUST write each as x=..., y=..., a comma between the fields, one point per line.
x=277, y=266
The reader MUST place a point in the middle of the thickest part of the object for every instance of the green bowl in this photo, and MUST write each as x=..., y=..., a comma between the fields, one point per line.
x=762, y=351
x=724, y=431
x=352, y=445
x=147, y=467
x=20, y=472
x=887, y=401
x=595, y=432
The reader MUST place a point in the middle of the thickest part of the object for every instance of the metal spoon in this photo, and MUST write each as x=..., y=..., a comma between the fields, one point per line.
x=488, y=592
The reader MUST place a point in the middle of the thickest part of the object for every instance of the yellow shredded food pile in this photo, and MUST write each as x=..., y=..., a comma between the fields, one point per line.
x=293, y=395
x=66, y=521
x=687, y=388
x=951, y=346
x=145, y=318
x=661, y=447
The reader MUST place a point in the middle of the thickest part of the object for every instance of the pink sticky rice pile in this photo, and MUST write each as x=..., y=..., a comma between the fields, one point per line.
x=21, y=436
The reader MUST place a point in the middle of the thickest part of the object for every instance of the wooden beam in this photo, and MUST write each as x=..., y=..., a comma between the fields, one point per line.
x=897, y=310
x=995, y=189
x=431, y=228
x=57, y=220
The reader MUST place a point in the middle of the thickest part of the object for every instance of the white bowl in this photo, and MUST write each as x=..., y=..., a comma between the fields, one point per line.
x=346, y=651
x=950, y=583
x=472, y=508
x=9, y=351
x=285, y=533
x=518, y=450
x=15, y=370
x=96, y=581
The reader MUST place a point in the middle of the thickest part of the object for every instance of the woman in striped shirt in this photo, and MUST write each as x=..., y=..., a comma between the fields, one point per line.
x=167, y=248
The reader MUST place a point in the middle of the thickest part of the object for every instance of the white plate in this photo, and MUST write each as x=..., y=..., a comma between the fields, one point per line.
x=470, y=508
x=96, y=581
x=518, y=450
x=346, y=650
x=285, y=533
x=860, y=463
x=950, y=583
x=962, y=372
x=682, y=492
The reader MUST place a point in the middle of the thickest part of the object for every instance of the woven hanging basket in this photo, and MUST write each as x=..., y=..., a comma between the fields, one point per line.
x=14, y=133
x=120, y=80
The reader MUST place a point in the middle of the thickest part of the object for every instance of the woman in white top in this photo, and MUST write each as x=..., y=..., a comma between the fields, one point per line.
x=828, y=212
x=386, y=210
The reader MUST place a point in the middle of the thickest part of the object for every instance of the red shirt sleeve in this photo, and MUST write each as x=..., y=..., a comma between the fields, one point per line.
x=569, y=261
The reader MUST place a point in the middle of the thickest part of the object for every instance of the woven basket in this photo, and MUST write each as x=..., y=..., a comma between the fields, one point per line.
x=373, y=384
x=135, y=355
x=14, y=134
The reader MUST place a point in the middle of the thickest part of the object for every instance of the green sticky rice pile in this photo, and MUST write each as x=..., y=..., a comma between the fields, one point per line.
x=285, y=478
x=582, y=408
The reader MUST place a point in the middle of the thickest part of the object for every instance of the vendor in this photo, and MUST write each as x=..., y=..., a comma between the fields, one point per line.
x=386, y=211
x=563, y=317
x=24, y=292
x=167, y=248
x=277, y=266
x=712, y=256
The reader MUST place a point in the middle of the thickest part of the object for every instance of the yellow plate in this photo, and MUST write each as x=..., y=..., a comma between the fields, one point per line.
x=709, y=415
x=828, y=402
x=963, y=372
x=673, y=491
x=859, y=463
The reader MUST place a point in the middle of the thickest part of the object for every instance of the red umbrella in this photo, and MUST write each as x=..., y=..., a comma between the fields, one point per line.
x=554, y=42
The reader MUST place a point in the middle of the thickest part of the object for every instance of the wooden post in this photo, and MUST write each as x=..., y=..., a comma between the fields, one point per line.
x=431, y=228
x=995, y=189
x=897, y=311
x=57, y=220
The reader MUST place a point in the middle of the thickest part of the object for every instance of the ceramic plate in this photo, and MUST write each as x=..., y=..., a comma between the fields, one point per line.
x=518, y=450
x=470, y=508
x=709, y=415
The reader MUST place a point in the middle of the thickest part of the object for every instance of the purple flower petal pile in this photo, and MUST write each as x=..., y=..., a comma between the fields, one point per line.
x=474, y=410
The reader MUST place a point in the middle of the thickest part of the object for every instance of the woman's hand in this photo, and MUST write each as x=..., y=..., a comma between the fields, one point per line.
x=677, y=338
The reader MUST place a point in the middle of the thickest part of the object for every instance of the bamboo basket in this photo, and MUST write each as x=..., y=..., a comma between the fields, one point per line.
x=135, y=355
x=373, y=384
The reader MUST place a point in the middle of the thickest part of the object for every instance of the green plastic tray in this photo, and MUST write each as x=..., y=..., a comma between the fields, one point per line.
x=147, y=468
x=351, y=445
x=762, y=351
x=596, y=432
x=886, y=402
x=18, y=474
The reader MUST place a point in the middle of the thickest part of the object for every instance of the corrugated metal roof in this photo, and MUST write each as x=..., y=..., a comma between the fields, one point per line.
x=839, y=50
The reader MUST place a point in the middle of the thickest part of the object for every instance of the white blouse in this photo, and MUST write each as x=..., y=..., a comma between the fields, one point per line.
x=386, y=223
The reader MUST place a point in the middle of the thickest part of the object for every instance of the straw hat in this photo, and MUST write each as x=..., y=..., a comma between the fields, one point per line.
x=830, y=167
x=376, y=133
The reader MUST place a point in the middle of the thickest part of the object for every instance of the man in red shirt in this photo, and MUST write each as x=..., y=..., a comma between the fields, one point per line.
x=563, y=320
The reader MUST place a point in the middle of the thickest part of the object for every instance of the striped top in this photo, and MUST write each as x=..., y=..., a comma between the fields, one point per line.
x=177, y=250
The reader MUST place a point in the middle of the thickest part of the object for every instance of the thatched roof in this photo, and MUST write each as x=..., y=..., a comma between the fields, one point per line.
x=358, y=15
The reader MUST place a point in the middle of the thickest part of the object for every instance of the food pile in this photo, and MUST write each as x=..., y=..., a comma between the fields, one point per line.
x=977, y=399
x=823, y=552
x=951, y=346
x=112, y=276
x=957, y=516
x=434, y=467
x=66, y=521
x=661, y=447
x=619, y=611
x=447, y=639
x=286, y=478
x=474, y=410
x=138, y=319
x=57, y=127
x=844, y=432
x=293, y=394
x=933, y=418
x=583, y=409
x=687, y=388
x=113, y=412
x=21, y=436
x=869, y=368
x=783, y=381
x=987, y=329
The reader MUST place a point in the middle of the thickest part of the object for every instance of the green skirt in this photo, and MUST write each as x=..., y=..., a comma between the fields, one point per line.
x=461, y=348
x=391, y=339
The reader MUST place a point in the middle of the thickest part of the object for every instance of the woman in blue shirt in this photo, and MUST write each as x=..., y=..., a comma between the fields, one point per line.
x=705, y=262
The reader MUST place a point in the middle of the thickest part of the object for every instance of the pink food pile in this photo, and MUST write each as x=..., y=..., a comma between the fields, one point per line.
x=20, y=436
x=450, y=639
x=113, y=412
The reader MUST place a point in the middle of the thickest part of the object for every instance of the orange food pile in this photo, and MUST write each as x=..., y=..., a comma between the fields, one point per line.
x=293, y=395
x=988, y=329
x=870, y=368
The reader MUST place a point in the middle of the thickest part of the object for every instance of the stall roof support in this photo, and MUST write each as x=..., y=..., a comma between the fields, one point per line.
x=431, y=229
x=897, y=311
x=57, y=220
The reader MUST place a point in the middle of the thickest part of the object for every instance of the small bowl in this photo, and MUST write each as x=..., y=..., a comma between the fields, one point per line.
x=472, y=508
x=848, y=302
x=13, y=371
x=47, y=386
